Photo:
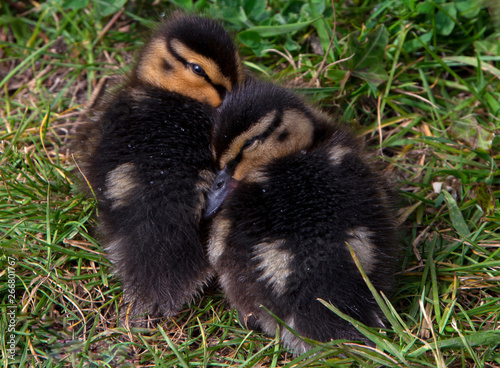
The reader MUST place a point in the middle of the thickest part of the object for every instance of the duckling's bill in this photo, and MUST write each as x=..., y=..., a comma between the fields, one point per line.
x=223, y=185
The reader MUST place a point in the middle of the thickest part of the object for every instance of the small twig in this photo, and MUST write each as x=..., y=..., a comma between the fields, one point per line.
x=80, y=246
x=416, y=96
x=379, y=123
x=337, y=62
x=287, y=56
x=109, y=25
x=84, y=177
x=95, y=94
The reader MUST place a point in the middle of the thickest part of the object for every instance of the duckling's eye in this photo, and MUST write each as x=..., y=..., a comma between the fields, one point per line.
x=250, y=144
x=198, y=70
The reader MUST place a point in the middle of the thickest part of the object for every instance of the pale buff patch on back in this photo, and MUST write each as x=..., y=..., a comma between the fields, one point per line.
x=224, y=281
x=337, y=153
x=257, y=176
x=274, y=263
x=114, y=248
x=218, y=238
x=359, y=240
x=120, y=184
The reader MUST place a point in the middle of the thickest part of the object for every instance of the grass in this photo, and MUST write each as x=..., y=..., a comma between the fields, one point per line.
x=420, y=79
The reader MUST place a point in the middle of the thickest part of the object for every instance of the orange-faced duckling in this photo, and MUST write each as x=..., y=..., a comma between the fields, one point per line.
x=147, y=157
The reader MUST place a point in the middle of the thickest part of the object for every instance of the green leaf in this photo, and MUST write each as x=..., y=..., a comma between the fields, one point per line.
x=445, y=19
x=249, y=38
x=425, y=8
x=21, y=30
x=75, y=4
x=495, y=143
x=415, y=44
x=468, y=8
x=291, y=44
x=170, y=343
x=314, y=7
x=254, y=7
x=489, y=46
x=336, y=75
x=493, y=103
x=456, y=216
x=233, y=16
x=472, y=61
x=270, y=31
x=107, y=7
x=368, y=60
x=317, y=8
x=201, y=5
x=475, y=339
x=410, y=4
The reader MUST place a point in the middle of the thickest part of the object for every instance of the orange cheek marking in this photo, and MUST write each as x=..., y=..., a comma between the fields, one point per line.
x=188, y=84
x=301, y=131
x=235, y=147
x=262, y=156
x=151, y=68
x=179, y=79
x=208, y=65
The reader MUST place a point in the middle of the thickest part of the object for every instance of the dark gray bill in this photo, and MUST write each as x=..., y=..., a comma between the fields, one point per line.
x=223, y=184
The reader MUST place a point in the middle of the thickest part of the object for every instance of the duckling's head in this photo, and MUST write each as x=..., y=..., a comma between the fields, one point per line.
x=257, y=124
x=193, y=56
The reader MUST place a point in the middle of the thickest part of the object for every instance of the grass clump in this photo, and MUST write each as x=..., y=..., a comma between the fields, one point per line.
x=420, y=79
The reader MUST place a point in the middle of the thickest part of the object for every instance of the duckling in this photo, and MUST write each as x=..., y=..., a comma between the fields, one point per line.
x=147, y=158
x=292, y=189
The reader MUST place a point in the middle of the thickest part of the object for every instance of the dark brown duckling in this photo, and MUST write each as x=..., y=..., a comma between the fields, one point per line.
x=292, y=189
x=147, y=158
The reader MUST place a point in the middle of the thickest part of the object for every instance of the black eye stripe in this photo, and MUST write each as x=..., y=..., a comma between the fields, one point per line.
x=175, y=54
x=273, y=126
x=221, y=90
x=263, y=136
x=231, y=165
